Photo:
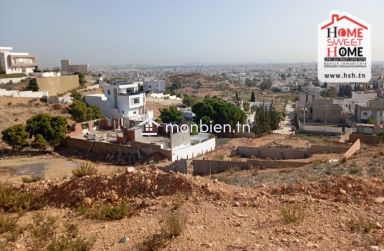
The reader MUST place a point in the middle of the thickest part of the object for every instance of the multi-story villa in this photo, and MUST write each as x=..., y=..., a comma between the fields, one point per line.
x=16, y=62
x=121, y=99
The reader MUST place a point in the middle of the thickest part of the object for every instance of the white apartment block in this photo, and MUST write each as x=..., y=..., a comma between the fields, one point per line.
x=121, y=99
x=156, y=86
x=16, y=62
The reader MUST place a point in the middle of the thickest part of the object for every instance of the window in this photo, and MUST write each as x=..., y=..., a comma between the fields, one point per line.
x=134, y=112
x=109, y=92
x=365, y=113
x=136, y=100
x=122, y=111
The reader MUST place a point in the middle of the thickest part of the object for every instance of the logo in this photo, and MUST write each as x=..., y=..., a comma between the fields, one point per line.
x=149, y=127
x=344, y=49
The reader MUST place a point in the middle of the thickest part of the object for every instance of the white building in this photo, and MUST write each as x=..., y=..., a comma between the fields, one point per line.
x=154, y=86
x=16, y=62
x=68, y=68
x=120, y=100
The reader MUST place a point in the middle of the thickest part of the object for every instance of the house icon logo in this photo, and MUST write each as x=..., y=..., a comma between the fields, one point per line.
x=344, y=49
x=149, y=127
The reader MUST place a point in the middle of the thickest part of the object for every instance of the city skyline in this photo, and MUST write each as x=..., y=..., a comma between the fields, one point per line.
x=174, y=32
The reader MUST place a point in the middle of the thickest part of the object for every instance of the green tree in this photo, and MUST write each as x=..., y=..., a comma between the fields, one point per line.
x=189, y=100
x=82, y=80
x=330, y=92
x=253, y=97
x=267, y=119
x=219, y=112
x=237, y=96
x=266, y=84
x=171, y=115
x=32, y=85
x=16, y=136
x=39, y=143
x=372, y=121
x=76, y=95
x=81, y=112
x=53, y=129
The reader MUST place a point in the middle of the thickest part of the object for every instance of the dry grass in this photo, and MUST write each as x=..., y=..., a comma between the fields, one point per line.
x=174, y=224
x=7, y=223
x=14, y=200
x=361, y=224
x=105, y=211
x=292, y=213
x=42, y=230
x=86, y=169
x=31, y=179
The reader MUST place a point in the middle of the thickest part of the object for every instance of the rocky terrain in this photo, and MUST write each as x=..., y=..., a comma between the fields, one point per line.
x=341, y=212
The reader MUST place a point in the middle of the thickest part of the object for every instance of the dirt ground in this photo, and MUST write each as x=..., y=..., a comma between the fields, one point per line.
x=225, y=217
x=17, y=110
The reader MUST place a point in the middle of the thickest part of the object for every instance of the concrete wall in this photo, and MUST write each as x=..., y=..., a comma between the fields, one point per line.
x=102, y=103
x=179, y=166
x=352, y=150
x=192, y=151
x=287, y=153
x=320, y=129
x=366, y=139
x=58, y=85
x=154, y=86
x=23, y=94
x=206, y=167
x=325, y=111
x=180, y=139
x=11, y=80
x=122, y=153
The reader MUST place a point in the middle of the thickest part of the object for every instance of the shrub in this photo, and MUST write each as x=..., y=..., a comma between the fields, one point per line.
x=292, y=213
x=77, y=244
x=7, y=224
x=39, y=143
x=14, y=200
x=16, y=136
x=32, y=85
x=107, y=211
x=52, y=129
x=84, y=170
x=171, y=115
x=361, y=225
x=354, y=169
x=31, y=179
x=43, y=226
x=80, y=111
x=43, y=229
x=174, y=224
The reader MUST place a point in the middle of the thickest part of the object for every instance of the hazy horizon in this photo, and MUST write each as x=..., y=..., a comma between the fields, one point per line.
x=171, y=32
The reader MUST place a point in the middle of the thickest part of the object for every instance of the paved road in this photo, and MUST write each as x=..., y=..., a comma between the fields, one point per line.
x=286, y=125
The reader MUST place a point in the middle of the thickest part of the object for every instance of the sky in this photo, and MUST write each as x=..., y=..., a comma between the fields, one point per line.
x=176, y=32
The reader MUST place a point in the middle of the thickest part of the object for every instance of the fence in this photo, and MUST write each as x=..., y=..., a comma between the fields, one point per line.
x=287, y=153
x=23, y=94
x=206, y=167
x=367, y=139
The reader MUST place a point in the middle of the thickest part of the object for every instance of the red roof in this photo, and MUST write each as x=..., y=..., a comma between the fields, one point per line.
x=336, y=18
